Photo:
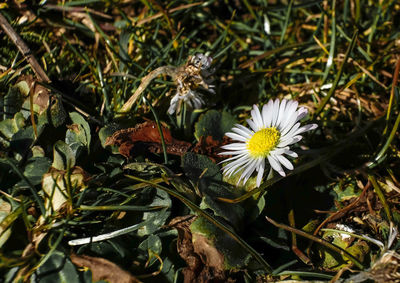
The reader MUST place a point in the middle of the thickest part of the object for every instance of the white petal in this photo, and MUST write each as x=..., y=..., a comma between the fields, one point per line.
x=256, y=168
x=278, y=150
x=248, y=134
x=250, y=167
x=286, y=115
x=283, y=160
x=234, y=146
x=281, y=113
x=256, y=115
x=290, y=134
x=291, y=153
x=174, y=104
x=244, y=129
x=267, y=113
x=230, y=153
x=291, y=141
x=236, y=137
x=275, y=112
x=291, y=108
x=197, y=102
x=235, y=166
x=306, y=128
x=240, y=155
x=252, y=125
x=289, y=122
x=260, y=173
x=302, y=112
x=276, y=165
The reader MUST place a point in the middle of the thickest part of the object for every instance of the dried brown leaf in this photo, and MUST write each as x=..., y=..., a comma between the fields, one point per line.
x=205, y=262
x=146, y=136
x=103, y=269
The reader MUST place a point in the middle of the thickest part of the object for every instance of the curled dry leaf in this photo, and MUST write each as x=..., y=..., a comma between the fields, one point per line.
x=205, y=262
x=103, y=269
x=145, y=136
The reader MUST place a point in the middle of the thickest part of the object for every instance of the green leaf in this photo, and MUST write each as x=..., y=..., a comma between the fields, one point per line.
x=78, y=134
x=64, y=157
x=57, y=268
x=156, y=219
x=347, y=190
x=334, y=261
x=150, y=247
x=207, y=176
x=152, y=243
x=214, y=124
x=54, y=115
x=200, y=168
x=34, y=170
x=14, y=99
x=143, y=169
x=9, y=127
x=22, y=140
x=105, y=132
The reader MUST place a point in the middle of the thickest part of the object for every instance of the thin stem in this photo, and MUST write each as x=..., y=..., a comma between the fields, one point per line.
x=381, y=197
x=164, y=147
x=338, y=76
x=382, y=152
x=318, y=240
x=24, y=49
x=164, y=70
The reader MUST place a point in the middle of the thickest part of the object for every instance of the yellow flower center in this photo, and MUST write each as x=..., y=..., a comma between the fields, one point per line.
x=263, y=141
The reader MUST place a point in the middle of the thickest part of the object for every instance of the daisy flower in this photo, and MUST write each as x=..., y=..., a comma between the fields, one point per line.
x=271, y=133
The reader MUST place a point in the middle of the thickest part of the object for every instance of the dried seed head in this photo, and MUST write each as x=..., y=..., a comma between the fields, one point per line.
x=191, y=77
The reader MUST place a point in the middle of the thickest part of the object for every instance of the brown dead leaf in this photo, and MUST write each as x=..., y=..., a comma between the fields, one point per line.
x=103, y=269
x=205, y=262
x=146, y=136
x=210, y=147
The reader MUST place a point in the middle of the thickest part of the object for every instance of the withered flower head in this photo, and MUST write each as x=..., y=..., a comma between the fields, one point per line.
x=190, y=78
